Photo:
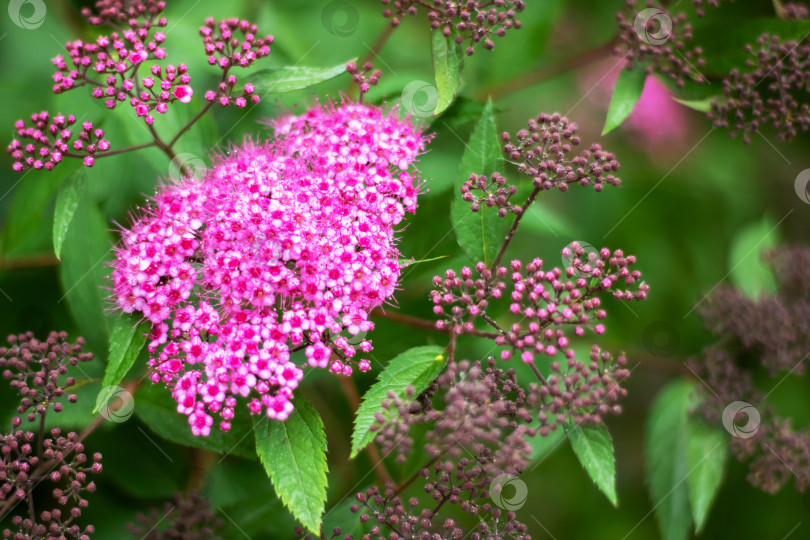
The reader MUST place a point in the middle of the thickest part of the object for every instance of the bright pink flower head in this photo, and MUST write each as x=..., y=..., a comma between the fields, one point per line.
x=283, y=246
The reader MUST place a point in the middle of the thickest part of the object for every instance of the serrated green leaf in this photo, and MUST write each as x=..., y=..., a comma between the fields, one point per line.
x=157, y=409
x=626, y=93
x=749, y=272
x=293, y=453
x=665, y=441
x=480, y=234
x=416, y=367
x=85, y=255
x=448, y=59
x=127, y=338
x=67, y=201
x=706, y=454
x=289, y=78
x=593, y=447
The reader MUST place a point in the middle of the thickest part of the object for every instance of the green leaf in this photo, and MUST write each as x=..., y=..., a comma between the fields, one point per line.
x=416, y=367
x=749, y=272
x=706, y=454
x=157, y=409
x=480, y=234
x=666, y=465
x=67, y=201
x=448, y=59
x=289, y=78
x=293, y=453
x=84, y=271
x=126, y=341
x=626, y=93
x=594, y=448
x=700, y=105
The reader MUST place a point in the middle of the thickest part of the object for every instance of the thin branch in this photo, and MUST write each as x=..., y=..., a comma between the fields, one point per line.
x=31, y=261
x=379, y=43
x=353, y=397
x=537, y=373
x=114, y=152
x=407, y=319
x=512, y=231
x=190, y=123
x=451, y=347
x=424, y=323
x=548, y=72
x=493, y=324
x=402, y=487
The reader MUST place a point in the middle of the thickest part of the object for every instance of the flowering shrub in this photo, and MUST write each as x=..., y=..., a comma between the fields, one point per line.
x=358, y=302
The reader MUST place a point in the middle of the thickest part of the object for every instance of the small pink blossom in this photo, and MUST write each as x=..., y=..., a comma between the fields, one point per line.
x=183, y=93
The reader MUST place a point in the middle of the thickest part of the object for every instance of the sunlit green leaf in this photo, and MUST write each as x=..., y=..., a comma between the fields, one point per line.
x=448, y=60
x=289, y=78
x=626, y=93
x=594, y=449
x=67, y=201
x=293, y=453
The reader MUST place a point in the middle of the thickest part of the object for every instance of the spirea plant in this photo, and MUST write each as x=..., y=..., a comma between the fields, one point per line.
x=306, y=325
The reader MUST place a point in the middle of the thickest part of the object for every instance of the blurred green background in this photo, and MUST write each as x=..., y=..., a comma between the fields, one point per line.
x=690, y=203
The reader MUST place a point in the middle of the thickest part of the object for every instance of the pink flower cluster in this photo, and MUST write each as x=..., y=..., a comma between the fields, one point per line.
x=549, y=302
x=50, y=142
x=225, y=50
x=283, y=246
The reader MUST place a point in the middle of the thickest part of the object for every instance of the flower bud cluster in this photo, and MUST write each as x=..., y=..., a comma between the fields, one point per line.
x=111, y=63
x=494, y=193
x=50, y=461
x=52, y=139
x=225, y=49
x=543, y=153
x=472, y=20
x=477, y=420
x=188, y=516
x=774, y=330
x=553, y=306
x=364, y=77
x=37, y=371
x=770, y=91
x=580, y=392
x=658, y=43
